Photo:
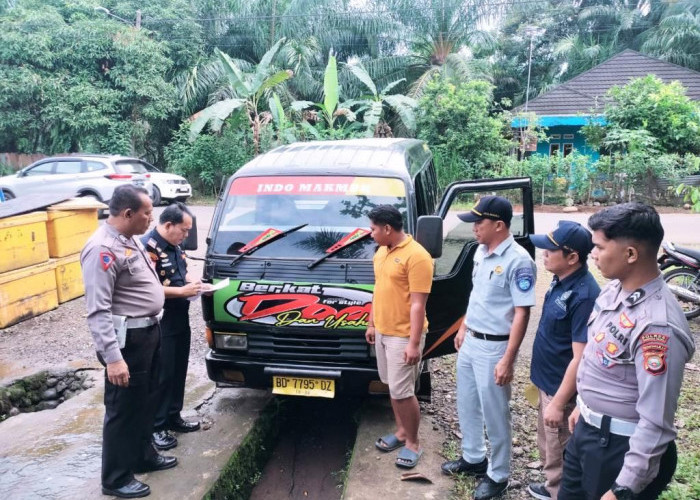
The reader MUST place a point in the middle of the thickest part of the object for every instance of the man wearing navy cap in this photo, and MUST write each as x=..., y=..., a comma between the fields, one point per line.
x=561, y=337
x=488, y=340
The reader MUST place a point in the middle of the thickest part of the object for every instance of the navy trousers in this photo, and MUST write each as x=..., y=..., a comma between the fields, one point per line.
x=174, y=358
x=593, y=459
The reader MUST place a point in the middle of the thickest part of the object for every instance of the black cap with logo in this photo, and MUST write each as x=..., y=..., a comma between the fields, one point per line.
x=489, y=207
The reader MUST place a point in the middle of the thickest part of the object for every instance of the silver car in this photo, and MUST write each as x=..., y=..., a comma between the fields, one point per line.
x=86, y=175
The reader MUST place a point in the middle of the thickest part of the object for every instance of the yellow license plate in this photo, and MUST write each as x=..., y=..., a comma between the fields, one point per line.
x=301, y=386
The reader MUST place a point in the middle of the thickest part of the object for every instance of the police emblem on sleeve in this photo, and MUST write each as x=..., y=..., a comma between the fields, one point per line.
x=524, y=279
x=106, y=259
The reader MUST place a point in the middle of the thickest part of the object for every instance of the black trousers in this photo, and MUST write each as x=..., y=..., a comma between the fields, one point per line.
x=174, y=359
x=129, y=411
x=593, y=459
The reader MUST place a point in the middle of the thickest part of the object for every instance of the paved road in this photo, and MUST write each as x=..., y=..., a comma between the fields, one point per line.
x=681, y=229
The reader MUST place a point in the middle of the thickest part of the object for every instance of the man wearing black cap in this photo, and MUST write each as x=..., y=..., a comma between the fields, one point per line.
x=488, y=341
x=561, y=337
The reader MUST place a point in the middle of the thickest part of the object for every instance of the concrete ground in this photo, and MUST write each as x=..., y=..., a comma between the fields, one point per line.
x=373, y=473
x=56, y=454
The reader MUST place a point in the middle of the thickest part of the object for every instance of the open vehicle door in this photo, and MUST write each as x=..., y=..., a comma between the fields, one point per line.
x=452, y=282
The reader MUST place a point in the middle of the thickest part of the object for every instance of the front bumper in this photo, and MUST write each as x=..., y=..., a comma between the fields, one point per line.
x=349, y=379
x=171, y=191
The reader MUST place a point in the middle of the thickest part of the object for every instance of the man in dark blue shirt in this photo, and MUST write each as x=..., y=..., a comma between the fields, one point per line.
x=561, y=337
x=163, y=246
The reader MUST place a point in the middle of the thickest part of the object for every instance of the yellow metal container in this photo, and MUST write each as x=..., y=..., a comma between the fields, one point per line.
x=23, y=241
x=68, y=230
x=69, y=278
x=27, y=292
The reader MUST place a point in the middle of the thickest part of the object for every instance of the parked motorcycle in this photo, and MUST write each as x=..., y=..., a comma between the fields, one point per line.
x=681, y=268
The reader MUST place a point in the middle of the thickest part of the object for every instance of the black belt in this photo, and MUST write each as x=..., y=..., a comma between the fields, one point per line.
x=488, y=336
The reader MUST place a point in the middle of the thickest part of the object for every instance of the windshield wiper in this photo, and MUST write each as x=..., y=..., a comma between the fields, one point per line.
x=349, y=240
x=263, y=239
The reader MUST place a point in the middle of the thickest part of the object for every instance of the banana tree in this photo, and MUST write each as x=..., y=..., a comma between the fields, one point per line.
x=244, y=91
x=372, y=106
x=331, y=109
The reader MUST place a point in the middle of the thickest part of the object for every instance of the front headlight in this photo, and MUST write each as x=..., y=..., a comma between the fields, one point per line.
x=231, y=341
x=172, y=181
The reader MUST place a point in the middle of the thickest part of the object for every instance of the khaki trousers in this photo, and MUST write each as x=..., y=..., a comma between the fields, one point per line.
x=551, y=443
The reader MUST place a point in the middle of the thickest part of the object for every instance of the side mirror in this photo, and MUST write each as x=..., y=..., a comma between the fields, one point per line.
x=190, y=243
x=429, y=234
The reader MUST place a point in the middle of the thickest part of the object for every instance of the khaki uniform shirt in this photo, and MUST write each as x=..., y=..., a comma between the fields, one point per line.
x=632, y=369
x=119, y=279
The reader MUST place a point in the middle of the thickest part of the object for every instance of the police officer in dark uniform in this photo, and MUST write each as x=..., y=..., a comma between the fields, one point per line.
x=163, y=246
x=124, y=300
x=631, y=372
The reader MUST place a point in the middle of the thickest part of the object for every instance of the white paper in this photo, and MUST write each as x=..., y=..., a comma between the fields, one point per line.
x=207, y=288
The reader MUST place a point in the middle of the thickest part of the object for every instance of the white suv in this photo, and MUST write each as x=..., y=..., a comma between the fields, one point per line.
x=167, y=187
x=95, y=176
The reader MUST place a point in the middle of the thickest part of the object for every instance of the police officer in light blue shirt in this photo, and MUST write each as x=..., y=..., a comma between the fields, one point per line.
x=488, y=341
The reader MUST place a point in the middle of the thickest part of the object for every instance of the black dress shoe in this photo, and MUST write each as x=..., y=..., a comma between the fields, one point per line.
x=133, y=489
x=163, y=440
x=462, y=466
x=177, y=424
x=488, y=488
x=159, y=463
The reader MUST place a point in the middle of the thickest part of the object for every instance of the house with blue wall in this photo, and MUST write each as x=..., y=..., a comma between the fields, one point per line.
x=581, y=100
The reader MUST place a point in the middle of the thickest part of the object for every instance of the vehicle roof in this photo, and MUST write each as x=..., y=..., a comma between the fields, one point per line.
x=384, y=157
x=88, y=155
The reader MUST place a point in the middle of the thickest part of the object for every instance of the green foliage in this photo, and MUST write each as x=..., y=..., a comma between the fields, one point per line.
x=372, y=106
x=456, y=121
x=691, y=195
x=210, y=159
x=660, y=110
x=70, y=82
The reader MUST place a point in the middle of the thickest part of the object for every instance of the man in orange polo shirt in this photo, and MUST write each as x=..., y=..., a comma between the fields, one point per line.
x=403, y=272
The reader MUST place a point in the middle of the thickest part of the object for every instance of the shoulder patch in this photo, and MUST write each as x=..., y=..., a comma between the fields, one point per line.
x=655, y=362
x=106, y=259
x=524, y=278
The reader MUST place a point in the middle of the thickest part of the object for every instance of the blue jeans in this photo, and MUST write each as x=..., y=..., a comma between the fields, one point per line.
x=480, y=401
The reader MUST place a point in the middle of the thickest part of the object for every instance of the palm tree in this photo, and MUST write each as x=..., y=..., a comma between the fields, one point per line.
x=440, y=36
x=241, y=95
x=373, y=106
x=676, y=35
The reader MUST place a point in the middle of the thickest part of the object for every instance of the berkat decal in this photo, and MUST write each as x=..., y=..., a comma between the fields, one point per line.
x=289, y=304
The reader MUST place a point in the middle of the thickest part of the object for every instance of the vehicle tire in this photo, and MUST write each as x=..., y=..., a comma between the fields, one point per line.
x=90, y=194
x=156, y=196
x=685, y=278
x=7, y=195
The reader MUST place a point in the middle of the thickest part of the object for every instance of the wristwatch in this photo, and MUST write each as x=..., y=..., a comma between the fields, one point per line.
x=622, y=492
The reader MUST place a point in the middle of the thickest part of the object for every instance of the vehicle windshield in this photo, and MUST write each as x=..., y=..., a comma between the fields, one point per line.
x=333, y=207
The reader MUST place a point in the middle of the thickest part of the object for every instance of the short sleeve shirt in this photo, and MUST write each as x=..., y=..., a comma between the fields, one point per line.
x=567, y=306
x=407, y=268
x=502, y=280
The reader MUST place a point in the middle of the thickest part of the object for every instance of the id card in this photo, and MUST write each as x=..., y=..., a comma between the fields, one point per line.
x=120, y=329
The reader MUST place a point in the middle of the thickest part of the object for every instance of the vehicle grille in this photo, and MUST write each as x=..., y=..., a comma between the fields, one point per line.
x=319, y=346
